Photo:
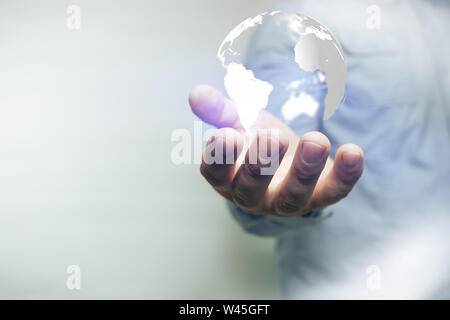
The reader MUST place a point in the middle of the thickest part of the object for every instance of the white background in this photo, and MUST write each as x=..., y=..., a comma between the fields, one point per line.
x=86, y=176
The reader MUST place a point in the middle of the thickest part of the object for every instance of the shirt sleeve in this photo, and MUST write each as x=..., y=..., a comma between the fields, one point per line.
x=272, y=226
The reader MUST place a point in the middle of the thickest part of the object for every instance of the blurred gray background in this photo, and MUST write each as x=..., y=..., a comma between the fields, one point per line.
x=86, y=177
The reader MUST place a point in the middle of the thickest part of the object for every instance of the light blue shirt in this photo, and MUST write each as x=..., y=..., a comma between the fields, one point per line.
x=390, y=237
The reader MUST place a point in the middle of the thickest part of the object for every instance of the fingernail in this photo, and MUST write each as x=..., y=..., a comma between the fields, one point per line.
x=312, y=152
x=351, y=159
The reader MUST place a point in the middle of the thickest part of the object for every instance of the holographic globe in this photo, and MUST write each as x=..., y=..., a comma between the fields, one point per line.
x=312, y=72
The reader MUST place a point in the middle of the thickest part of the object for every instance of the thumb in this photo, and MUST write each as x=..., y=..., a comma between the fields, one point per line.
x=213, y=108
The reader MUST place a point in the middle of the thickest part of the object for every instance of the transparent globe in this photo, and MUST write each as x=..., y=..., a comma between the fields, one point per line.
x=312, y=73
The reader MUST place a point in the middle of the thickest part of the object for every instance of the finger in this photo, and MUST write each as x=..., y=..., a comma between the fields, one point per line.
x=295, y=190
x=219, y=159
x=345, y=172
x=213, y=108
x=262, y=159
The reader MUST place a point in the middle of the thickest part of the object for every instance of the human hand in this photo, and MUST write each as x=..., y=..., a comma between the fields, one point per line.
x=306, y=179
